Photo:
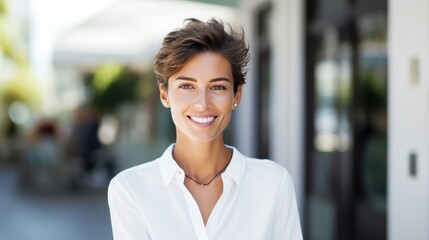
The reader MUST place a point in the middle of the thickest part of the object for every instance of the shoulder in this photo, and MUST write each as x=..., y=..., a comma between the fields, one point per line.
x=262, y=172
x=265, y=169
x=265, y=179
x=136, y=174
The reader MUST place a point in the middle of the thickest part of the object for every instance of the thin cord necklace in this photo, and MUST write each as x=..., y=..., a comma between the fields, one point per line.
x=205, y=184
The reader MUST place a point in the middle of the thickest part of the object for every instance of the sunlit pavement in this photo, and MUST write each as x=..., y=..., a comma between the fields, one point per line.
x=51, y=216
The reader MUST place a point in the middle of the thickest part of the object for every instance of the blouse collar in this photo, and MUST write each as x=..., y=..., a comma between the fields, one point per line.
x=169, y=167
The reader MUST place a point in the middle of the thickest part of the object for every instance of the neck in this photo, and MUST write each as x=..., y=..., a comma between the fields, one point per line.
x=201, y=160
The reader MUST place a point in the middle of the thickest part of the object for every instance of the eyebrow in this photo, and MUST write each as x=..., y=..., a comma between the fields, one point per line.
x=211, y=80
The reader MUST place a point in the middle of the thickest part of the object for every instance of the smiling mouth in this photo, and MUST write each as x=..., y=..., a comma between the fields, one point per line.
x=202, y=120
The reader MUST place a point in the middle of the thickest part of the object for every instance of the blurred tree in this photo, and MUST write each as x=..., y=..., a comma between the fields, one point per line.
x=18, y=85
x=7, y=47
x=113, y=84
x=21, y=88
x=3, y=7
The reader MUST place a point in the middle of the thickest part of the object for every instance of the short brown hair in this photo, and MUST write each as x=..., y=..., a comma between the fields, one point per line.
x=195, y=37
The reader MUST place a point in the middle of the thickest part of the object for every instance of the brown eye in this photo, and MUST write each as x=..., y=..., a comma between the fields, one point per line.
x=218, y=87
x=186, y=86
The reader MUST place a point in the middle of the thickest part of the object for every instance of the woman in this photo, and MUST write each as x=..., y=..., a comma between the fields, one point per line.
x=200, y=188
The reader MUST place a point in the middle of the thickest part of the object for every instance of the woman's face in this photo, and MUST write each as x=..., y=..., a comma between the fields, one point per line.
x=201, y=97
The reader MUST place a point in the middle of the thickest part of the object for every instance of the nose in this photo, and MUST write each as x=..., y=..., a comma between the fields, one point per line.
x=203, y=100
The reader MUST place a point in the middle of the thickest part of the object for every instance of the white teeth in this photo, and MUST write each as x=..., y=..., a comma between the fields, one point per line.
x=202, y=120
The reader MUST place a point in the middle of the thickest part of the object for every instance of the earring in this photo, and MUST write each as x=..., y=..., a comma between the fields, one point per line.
x=165, y=103
x=235, y=105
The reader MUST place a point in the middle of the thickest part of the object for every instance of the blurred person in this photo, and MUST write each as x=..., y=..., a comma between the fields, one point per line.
x=84, y=140
x=86, y=147
x=47, y=136
x=201, y=188
x=42, y=157
x=89, y=142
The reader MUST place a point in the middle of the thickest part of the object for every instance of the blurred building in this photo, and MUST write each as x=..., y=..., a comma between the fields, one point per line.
x=338, y=92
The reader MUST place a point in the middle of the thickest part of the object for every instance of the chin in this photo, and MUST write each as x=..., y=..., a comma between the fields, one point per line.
x=202, y=137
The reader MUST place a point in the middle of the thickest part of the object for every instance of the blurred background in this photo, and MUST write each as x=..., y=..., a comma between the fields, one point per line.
x=337, y=92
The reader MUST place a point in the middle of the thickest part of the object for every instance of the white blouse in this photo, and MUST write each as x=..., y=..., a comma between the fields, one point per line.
x=150, y=201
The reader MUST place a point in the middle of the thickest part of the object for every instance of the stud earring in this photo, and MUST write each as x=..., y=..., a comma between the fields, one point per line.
x=235, y=105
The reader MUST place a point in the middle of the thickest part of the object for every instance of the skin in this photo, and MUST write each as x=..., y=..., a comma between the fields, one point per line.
x=203, y=90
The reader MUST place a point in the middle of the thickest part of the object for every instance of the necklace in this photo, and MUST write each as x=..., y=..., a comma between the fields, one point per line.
x=205, y=184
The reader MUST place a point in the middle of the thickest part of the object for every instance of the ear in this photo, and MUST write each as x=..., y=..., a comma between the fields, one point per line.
x=237, y=97
x=163, y=95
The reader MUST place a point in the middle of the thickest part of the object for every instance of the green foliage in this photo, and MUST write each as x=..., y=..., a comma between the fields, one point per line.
x=7, y=45
x=113, y=84
x=105, y=75
x=3, y=8
x=9, y=50
x=20, y=89
x=146, y=87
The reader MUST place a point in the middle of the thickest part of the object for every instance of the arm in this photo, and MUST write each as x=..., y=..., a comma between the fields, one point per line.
x=127, y=222
x=286, y=222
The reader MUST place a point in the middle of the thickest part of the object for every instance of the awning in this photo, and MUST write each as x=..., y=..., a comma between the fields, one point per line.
x=131, y=31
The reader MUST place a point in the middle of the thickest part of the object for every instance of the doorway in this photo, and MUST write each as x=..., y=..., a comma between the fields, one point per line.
x=346, y=119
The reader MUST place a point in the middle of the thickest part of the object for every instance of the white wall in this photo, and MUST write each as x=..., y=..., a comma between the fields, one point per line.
x=287, y=113
x=244, y=115
x=286, y=93
x=408, y=196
